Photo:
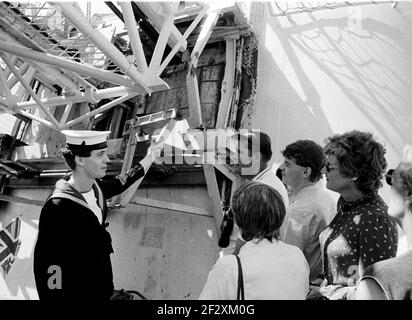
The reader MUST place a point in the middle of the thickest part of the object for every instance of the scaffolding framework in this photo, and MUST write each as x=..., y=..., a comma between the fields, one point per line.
x=74, y=55
x=72, y=52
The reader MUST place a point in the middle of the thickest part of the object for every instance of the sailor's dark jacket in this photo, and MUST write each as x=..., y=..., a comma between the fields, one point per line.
x=72, y=252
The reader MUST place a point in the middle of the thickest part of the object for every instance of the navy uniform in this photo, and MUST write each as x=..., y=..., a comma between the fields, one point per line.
x=74, y=240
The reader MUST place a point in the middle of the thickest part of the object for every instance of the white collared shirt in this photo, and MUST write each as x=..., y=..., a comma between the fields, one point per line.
x=269, y=177
x=92, y=202
x=309, y=213
x=271, y=271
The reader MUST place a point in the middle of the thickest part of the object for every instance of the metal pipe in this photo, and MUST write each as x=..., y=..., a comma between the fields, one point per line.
x=51, y=102
x=188, y=12
x=66, y=114
x=152, y=10
x=203, y=37
x=107, y=93
x=19, y=91
x=66, y=64
x=183, y=38
x=113, y=92
x=65, y=81
x=8, y=72
x=105, y=46
x=57, y=76
x=36, y=118
x=134, y=36
x=29, y=89
x=13, y=79
x=101, y=109
x=82, y=81
x=25, y=114
x=4, y=87
x=161, y=43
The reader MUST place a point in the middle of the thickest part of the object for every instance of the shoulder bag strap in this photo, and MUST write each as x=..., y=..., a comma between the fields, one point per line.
x=240, y=288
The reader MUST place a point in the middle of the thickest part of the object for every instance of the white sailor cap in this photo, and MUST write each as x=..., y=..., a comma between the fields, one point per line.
x=85, y=140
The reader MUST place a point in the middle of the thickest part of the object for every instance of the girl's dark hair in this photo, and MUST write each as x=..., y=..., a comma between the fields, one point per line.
x=361, y=156
x=258, y=211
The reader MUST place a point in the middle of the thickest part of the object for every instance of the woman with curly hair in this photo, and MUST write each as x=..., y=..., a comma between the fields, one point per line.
x=362, y=232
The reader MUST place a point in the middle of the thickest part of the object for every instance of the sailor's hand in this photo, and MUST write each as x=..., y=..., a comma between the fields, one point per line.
x=152, y=154
x=155, y=149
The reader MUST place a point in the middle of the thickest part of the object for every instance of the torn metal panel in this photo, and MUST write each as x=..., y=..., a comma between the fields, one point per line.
x=227, y=85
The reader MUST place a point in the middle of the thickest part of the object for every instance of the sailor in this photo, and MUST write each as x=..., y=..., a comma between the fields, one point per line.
x=72, y=252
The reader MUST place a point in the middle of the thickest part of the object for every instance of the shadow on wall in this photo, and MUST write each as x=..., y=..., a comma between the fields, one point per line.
x=285, y=112
x=294, y=117
x=326, y=73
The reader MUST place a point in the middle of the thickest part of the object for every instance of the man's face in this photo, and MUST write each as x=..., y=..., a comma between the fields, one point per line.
x=292, y=173
x=95, y=166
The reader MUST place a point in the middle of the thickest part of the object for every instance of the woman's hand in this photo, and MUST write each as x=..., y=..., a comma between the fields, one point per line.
x=315, y=289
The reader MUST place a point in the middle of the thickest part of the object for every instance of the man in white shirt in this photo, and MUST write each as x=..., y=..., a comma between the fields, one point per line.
x=254, y=153
x=311, y=207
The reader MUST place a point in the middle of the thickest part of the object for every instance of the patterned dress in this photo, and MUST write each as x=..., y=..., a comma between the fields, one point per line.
x=361, y=234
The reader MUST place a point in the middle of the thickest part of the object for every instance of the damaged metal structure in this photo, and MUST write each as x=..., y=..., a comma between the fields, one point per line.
x=137, y=69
